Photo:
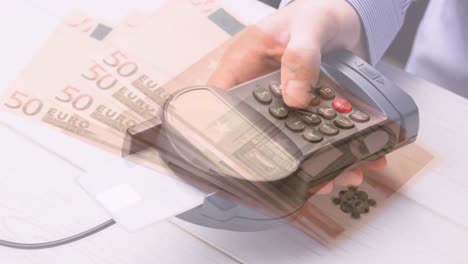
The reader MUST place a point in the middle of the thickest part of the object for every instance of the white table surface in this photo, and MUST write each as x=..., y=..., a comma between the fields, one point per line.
x=40, y=200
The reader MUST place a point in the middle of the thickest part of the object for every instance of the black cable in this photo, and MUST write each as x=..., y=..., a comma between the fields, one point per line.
x=61, y=242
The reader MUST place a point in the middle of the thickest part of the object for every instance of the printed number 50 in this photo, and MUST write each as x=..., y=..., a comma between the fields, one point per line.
x=114, y=60
x=29, y=106
x=79, y=101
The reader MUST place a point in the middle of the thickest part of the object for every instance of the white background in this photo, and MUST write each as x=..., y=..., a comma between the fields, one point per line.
x=40, y=200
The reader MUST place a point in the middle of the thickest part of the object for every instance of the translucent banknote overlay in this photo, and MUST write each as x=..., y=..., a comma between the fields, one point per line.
x=125, y=89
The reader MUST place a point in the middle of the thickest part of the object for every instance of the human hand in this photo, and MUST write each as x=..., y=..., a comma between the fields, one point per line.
x=293, y=40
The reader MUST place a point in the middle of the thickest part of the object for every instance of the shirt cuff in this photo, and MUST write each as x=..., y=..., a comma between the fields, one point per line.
x=381, y=21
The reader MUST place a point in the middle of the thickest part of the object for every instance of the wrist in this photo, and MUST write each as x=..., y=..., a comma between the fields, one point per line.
x=353, y=31
x=349, y=33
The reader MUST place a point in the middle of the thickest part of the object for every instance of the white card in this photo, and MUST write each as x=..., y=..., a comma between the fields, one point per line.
x=137, y=196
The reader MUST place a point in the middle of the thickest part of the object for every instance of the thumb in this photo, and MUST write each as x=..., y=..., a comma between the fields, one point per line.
x=300, y=70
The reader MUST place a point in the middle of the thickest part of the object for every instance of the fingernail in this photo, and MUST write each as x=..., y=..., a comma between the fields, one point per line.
x=297, y=94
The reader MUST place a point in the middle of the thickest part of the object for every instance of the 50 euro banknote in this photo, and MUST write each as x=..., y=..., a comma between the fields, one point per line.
x=122, y=87
x=52, y=68
x=98, y=104
x=165, y=45
x=153, y=54
x=101, y=92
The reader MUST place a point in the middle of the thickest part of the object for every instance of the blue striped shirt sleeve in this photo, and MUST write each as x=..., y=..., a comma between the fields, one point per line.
x=381, y=21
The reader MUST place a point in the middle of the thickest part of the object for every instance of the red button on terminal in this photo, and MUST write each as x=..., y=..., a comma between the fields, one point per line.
x=342, y=106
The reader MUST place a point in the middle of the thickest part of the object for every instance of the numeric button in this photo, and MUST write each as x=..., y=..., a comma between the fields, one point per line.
x=275, y=88
x=328, y=130
x=279, y=110
x=326, y=92
x=359, y=116
x=312, y=135
x=344, y=122
x=262, y=95
x=311, y=119
x=295, y=125
x=326, y=112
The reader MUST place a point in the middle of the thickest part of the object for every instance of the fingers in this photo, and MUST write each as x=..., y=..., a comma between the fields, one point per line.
x=352, y=177
x=355, y=177
x=322, y=189
x=300, y=67
x=300, y=64
x=326, y=189
x=379, y=164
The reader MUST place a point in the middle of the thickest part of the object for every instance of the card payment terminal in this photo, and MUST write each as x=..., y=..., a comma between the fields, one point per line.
x=262, y=156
